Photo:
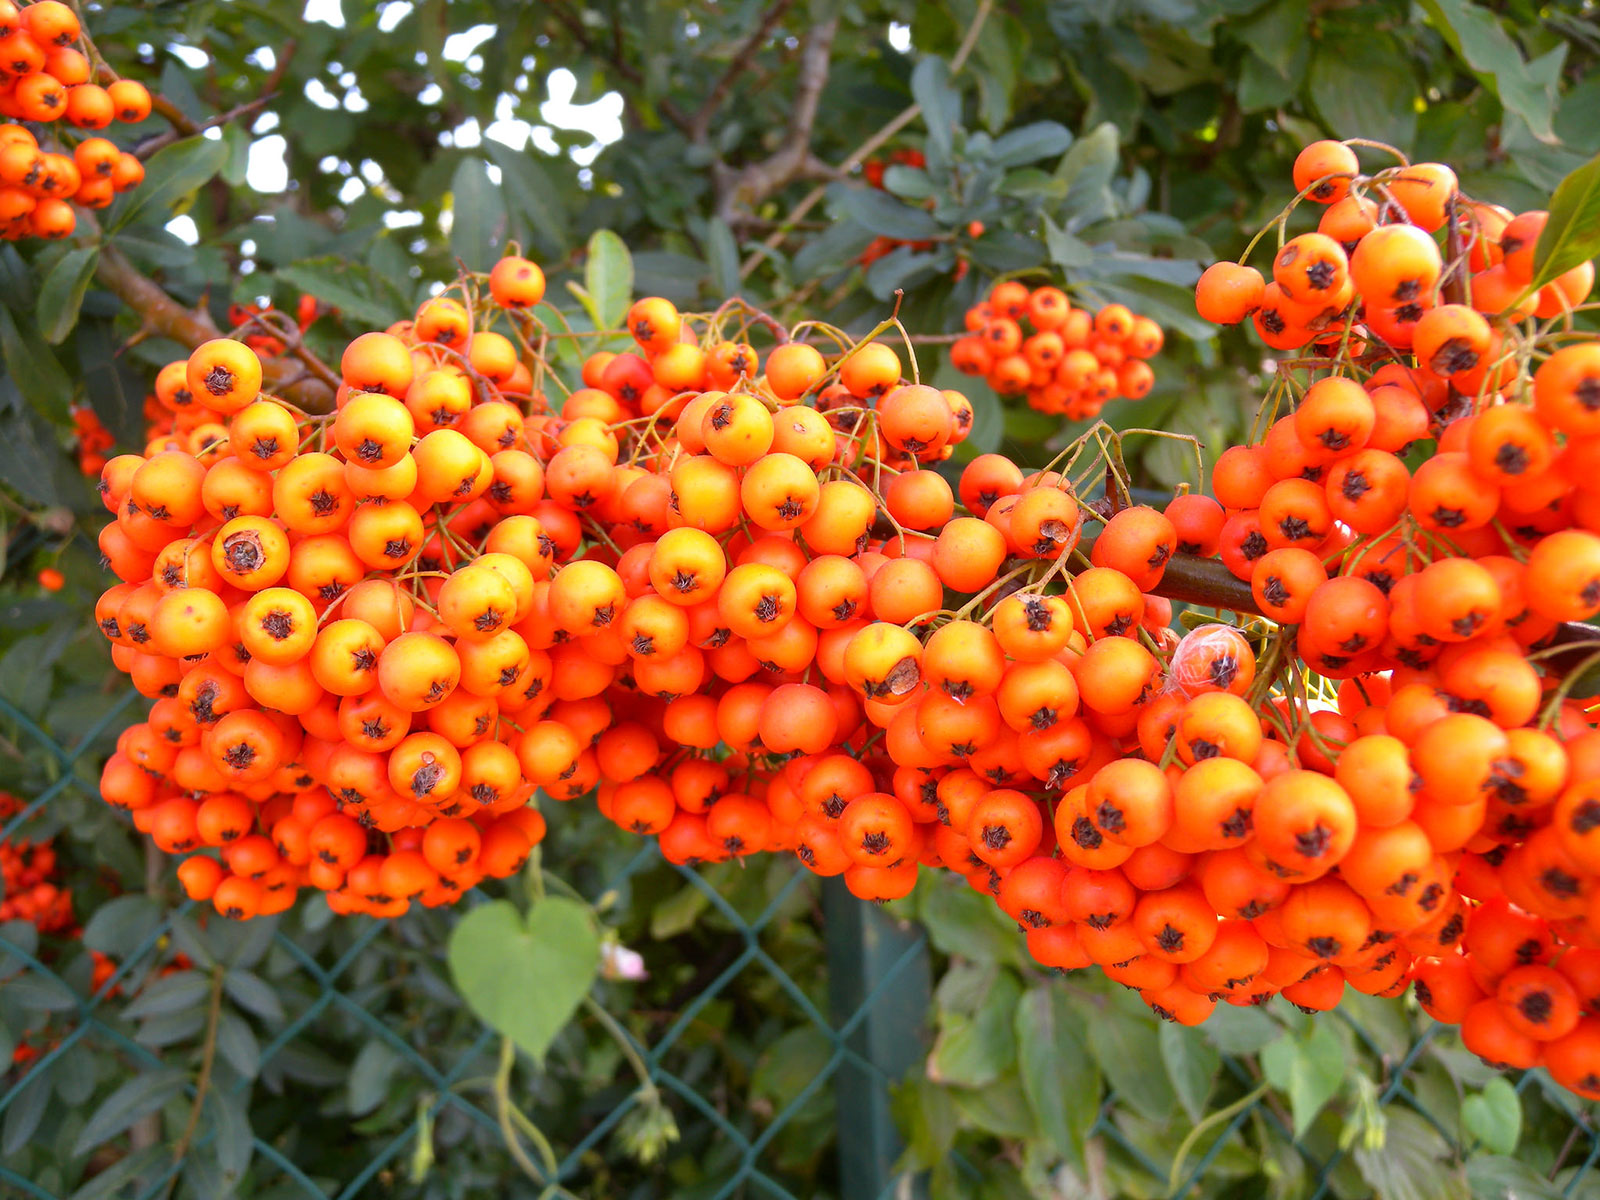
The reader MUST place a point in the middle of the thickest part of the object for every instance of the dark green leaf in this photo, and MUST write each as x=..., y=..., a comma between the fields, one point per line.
x=1572, y=234
x=175, y=993
x=234, y=1144
x=61, y=295
x=237, y=1044
x=115, y=390
x=138, y=1097
x=608, y=278
x=1058, y=1075
x=477, y=216
x=999, y=1107
x=1030, y=143
x=334, y=281
x=28, y=1103
x=531, y=196
x=1475, y=33
x=170, y=174
x=252, y=993
x=904, y=268
x=33, y=365
x=677, y=913
x=122, y=924
x=1308, y=1068
x=1494, y=1116
x=881, y=214
x=940, y=102
x=374, y=1066
x=723, y=254
x=1192, y=1066
x=788, y=1065
x=114, y=1178
x=1128, y=1050
x=1064, y=249
x=962, y=922
x=975, y=1049
x=525, y=979
x=1412, y=1162
x=909, y=183
x=1494, y=1178
x=1362, y=86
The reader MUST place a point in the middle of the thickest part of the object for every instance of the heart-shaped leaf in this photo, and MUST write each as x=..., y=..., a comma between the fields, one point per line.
x=525, y=979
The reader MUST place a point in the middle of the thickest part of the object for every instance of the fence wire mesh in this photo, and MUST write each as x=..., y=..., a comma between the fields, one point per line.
x=854, y=1020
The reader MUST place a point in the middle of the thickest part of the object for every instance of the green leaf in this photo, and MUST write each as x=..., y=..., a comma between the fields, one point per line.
x=1572, y=233
x=1089, y=164
x=1494, y=1116
x=940, y=103
x=910, y=183
x=252, y=993
x=170, y=174
x=677, y=913
x=33, y=366
x=121, y=925
x=531, y=196
x=998, y=1108
x=28, y=1103
x=477, y=216
x=1475, y=33
x=175, y=993
x=238, y=1045
x=1362, y=86
x=723, y=254
x=335, y=281
x=1064, y=249
x=1308, y=1069
x=962, y=922
x=1490, y=1175
x=904, y=268
x=114, y=1178
x=1412, y=1162
x=1030, y=143
x=61, y=294
x=788, y=1064
x=975, y=1049
x=234, y=1145
x=1128, y=1050
x=1192, y=1066
x=1058, y=1076
x=370, y=1072
x=525, y=979
x=608, y=278
x=882, y=214
x=138, y=1097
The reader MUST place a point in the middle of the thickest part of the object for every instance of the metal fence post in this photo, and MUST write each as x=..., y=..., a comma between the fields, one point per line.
x=868, y=968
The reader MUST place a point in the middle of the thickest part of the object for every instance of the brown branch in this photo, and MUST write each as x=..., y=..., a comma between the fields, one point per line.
x=868, y=147
x=160, y=314
x=792, y=159
x=700, y=123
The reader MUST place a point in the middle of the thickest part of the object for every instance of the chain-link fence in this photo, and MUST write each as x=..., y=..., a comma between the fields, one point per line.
x=314, y=1057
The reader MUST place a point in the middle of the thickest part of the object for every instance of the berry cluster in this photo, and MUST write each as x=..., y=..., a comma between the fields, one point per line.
x=1067, y=361
x=45, y=78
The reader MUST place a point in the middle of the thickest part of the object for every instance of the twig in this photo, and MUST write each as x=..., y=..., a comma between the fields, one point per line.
x=202, y=1083
x=183, y=128
x=793, y=157
x=573, y=24
x=700, y=123
x=868, y=147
